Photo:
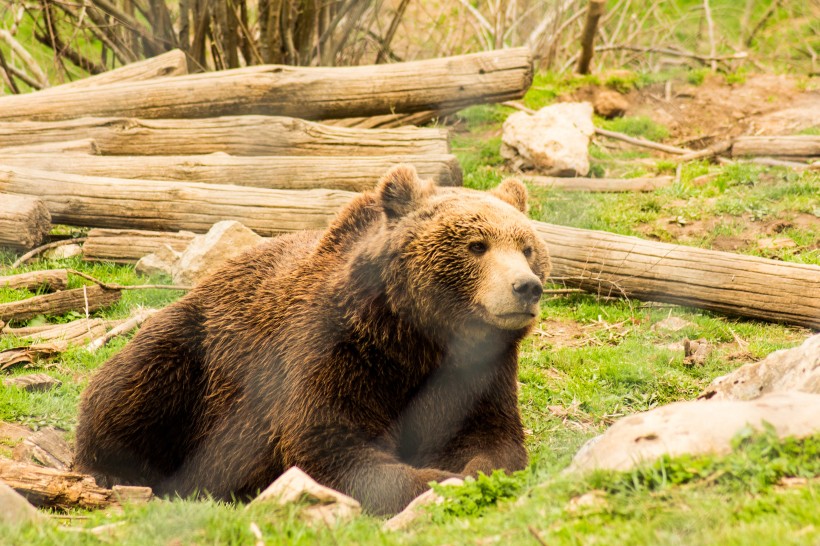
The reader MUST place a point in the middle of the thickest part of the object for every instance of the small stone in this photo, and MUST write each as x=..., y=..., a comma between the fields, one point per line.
x=15, y=509
x=609, y=103
x=36, y=382
x=160, y=262
x=63, y=252
x=695, y=352
x=415, y=510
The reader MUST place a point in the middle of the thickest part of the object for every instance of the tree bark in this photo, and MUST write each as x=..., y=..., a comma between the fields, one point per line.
x=733, y=284
x=92, y=297
x=243, y=135
x=802, y=146
x=601, y=184
x=171, y=63
x=24, y=221
x=282, y=172
x=170, y=206
x=79, y=146
x=51, y=279
x=594, y=12
x=308, y=93
x=127, y=246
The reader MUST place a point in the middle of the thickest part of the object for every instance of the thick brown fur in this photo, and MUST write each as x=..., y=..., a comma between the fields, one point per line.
x=377, y=356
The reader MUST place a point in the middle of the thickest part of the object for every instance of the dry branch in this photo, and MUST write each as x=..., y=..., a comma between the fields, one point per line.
x=169, y=206
x=243, y=135
x=309, y=93
x=642, y=142
x=733, y=284
x=123, y=328
x=778, y=146
x=51, y=279
x=61, y=490
x=40, y=249
x=78, y=299
x=601, y=184
x=24, y=221
x=299, y=172
x=129, y=245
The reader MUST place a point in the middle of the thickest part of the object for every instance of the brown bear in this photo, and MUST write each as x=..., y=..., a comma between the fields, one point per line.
x=377, y=356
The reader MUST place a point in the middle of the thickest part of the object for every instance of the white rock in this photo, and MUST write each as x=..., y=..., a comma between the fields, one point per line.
x=64, y=251
x=789, y=369
x=554, y=141
x=161, y=261
x=15, y=509
x=327, y=505
x=415, y=509
x=208, y=252
x=697, y=427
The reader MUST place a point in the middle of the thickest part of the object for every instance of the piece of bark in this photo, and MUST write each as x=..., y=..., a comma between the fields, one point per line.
x=157, y=205
x=308, y=93
x=600, y=184
x=79, y=146
x=733, y=284
x=23, y=355
x=35, y=382
x=279, y=172
x=802, y=146
x=24, y=221
x=10, y=432
x=127, y=246
x=56, y=489
x=92, y=297
x=170, y=63
x=46, y=447
x=48, y=279
x=235, y=135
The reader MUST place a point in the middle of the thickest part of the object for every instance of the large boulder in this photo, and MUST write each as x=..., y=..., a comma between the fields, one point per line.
x=789, y=369
x=697, y=427
x=554, y=141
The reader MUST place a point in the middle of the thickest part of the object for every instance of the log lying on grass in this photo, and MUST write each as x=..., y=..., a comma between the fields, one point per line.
x=62, y=490
x=307, y=93
x=24, y=221
x=733, y=284
x=235, y=135
x=283, y=172
x=50, y=279
x=169, y=206
x=127, y=246
x=598, y=184
x=802, y=146
x=78, y=299
x=170, y=63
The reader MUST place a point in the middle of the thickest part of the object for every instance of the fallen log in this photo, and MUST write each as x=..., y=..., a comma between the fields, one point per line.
x=49, y=279
x=282, y=172
x=733, y=284
x=308, y=93
x=235, y=135
x=78, y=299
x=127, y=246
x=802, y=146
x=601, y=184
x=169, y=206
x=58, y=489
x=170, y=63
x=79, y=146
x=24, y=221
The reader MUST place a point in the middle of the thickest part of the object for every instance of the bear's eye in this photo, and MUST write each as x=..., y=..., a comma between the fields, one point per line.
x=527, y=252
x=478, y=248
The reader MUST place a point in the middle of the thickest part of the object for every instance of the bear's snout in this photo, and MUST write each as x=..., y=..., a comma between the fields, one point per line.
x=511, y=290
x=528, y=289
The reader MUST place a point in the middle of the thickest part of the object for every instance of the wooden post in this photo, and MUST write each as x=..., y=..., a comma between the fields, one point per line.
x=594, y=12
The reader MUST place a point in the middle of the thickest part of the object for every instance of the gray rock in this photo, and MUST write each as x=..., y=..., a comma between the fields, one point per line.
x=15, y=509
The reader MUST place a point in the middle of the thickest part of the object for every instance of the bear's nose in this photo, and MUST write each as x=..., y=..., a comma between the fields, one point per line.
x=529, y=290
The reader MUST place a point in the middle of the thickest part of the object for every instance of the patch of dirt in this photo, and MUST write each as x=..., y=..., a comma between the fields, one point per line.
x=701, y=115
x=560, y=333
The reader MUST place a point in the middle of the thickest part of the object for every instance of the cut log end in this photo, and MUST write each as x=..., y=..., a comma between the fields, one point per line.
x=24, y=221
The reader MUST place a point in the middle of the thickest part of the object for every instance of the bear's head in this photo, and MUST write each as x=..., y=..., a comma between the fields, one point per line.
x=456, y=259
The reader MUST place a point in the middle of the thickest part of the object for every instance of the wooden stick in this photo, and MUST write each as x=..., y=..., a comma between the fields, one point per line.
x=128, y=325
x=780, y=146
x=637, y=141
x=24, y=221
x=308, y=93
x=58, y=303
x=242, y=135
x=50, y=279
x=168, y=206
x=129, y=245
x=25, y=57
x=79, y=146
x=710, y=27
x=600, y=184
x=710, y=151
x=40, y=249
x=733, y=284
x=673, y=52
x=280, y=172
x=114, y=286
x=594, y=12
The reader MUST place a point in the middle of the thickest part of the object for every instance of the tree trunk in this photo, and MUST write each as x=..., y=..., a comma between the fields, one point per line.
x=801, y=146
x=91, y=297
x=733, y=284
x=340, y=173
x=594, y=12
x=51, y=279
x=24, y=221
x=243, y=135
x=308, y=93
x=600, y=184
x=171, y=206
x=127, y=246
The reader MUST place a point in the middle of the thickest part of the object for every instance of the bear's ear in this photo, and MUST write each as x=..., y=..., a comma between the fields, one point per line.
x=400, y=191
x=512, y=191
